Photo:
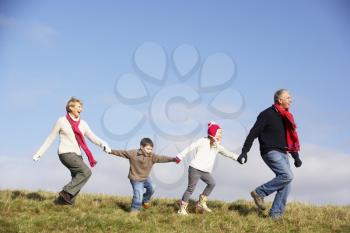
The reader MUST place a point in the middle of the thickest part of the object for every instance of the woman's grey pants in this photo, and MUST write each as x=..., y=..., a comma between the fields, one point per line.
x=193, y=176
x=79, y=171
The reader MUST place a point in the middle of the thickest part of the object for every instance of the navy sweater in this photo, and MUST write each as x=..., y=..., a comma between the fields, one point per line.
x=269, y=129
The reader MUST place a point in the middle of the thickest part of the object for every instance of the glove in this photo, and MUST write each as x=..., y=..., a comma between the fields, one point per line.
x=242, y=158
x=177, y=160
x=297, y=161
x=36, y=157
x=107, y=149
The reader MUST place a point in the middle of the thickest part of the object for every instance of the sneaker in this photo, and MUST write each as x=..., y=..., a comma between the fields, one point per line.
x=259, y=201
x=146, y=205
x=66, y=197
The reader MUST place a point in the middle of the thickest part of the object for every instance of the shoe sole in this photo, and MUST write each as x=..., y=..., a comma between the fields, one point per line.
x=61, y=201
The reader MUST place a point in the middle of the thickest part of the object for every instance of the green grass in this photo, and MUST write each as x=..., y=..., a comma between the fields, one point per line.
x=24, y=211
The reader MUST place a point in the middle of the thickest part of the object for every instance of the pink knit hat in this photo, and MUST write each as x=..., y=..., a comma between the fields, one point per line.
x=213, y=128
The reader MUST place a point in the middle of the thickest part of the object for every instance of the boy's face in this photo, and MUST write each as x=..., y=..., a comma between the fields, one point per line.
x=147, y=149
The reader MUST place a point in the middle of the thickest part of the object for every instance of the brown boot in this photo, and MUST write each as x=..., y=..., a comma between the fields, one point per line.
x=66, y=197
x=259, y=201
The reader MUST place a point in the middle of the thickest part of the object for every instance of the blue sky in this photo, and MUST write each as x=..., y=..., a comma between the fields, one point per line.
x=51, y=50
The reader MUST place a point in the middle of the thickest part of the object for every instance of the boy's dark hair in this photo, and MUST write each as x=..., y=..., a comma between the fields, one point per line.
x=146, y=141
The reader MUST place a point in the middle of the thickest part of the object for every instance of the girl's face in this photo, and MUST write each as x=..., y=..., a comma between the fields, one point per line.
x=76, y=109
x=218, y=135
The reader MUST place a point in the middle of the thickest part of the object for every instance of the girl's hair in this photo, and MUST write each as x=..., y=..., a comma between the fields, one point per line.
x=71, y=102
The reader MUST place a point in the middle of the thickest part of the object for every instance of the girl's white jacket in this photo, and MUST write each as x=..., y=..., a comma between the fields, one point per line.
x=204, y=156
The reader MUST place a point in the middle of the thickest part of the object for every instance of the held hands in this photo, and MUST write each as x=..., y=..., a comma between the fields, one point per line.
x=297, y=161
x=36, y=157
x=107, y=149
x=177, y=160
x=242, y=158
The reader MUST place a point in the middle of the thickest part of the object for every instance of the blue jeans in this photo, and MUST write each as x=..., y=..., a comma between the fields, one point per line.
x=279, y=164
x=139, y=197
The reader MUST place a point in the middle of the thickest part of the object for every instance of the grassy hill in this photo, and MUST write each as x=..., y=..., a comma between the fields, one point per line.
x=23, y=211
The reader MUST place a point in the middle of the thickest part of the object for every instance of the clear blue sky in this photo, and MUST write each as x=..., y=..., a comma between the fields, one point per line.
x=51, y=50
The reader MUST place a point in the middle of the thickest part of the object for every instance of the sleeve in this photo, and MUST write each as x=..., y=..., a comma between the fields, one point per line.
x=254, y=133
x=188, y=149
x=122, y=153
x=162, y=159
x=92, y=137
x=223, y=151
x=49, y=140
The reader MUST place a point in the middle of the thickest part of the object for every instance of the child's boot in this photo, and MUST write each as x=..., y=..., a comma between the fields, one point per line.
x=183, y=207
x=202, y=204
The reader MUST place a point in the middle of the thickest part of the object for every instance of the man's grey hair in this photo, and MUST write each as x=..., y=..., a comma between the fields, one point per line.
x=278, y=94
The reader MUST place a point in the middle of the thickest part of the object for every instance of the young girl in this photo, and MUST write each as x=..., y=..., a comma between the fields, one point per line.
x=202, y=165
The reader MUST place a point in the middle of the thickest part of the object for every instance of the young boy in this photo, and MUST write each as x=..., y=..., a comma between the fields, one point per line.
x=141, y=162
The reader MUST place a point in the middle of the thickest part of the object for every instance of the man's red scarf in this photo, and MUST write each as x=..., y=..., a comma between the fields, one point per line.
x=80, y=139
x=290, y=126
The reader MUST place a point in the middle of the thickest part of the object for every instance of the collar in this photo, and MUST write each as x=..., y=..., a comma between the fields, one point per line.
x=274, y=108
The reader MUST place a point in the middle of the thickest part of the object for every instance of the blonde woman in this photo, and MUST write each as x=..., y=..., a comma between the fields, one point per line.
x=71, y=130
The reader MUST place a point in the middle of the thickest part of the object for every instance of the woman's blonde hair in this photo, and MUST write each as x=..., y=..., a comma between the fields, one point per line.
x=71, y=102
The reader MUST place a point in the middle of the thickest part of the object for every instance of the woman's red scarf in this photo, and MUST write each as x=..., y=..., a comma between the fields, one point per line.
x=80, y=139
x=290, y=126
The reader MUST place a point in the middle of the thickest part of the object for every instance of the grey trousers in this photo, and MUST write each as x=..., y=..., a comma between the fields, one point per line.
x=79, y=171
x=193, y=176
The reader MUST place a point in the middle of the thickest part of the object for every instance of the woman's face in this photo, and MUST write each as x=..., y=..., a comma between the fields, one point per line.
x=76, y=109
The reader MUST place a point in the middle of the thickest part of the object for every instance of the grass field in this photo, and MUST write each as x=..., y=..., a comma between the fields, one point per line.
x=25, y=211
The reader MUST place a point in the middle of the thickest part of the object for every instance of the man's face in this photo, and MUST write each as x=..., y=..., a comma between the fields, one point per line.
x=285, y=100
x=147, y=149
